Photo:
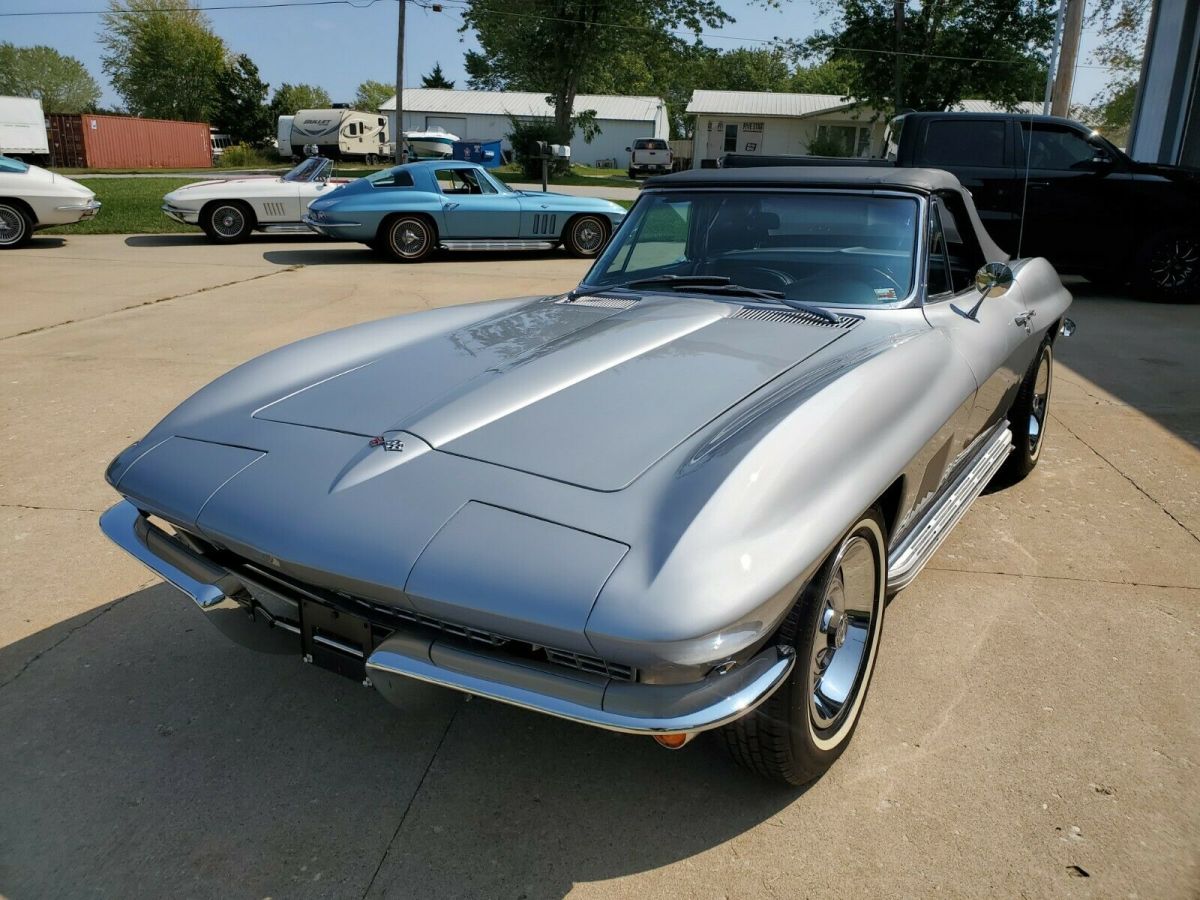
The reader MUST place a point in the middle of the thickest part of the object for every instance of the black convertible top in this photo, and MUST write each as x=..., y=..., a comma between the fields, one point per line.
x=924, y=181
x=918, y=181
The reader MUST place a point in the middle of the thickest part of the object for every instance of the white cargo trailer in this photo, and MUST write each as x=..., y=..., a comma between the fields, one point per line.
x=23, y=129
x=341, y=133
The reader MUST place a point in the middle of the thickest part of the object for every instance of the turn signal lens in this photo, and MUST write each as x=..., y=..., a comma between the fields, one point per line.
x=673, y=741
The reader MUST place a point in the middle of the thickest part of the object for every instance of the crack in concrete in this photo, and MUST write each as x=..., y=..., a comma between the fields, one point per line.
x=411, y=800
x=49, y=508
x=1073, y=578
x=66, y=637
x=1137, y=486
x=155, y=302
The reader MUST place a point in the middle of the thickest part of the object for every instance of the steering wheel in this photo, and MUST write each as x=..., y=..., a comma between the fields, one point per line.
x=759, y=277
x=867, y=273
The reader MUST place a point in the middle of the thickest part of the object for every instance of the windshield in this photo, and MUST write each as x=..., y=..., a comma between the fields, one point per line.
x=12, y=165
x=312, y=169
x=819, y=247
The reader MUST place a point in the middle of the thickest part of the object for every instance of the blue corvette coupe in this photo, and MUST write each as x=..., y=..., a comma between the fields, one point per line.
x=408, y=211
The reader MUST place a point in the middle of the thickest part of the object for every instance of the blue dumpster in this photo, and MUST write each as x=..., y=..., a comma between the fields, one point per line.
x=486, y=153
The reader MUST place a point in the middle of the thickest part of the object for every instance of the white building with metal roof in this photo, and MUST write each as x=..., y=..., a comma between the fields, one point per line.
x=753, y=122
x=484, y=116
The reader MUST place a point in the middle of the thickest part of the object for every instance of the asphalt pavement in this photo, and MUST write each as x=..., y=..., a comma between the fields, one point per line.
x=1033, y=728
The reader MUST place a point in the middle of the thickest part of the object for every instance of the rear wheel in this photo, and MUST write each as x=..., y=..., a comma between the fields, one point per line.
x=1028, y=418
x=584, y=236
x=16, y=228
x=834, y=627
x=372, y=159
x=1167, y=267
x=227, y=221
x=407, y=239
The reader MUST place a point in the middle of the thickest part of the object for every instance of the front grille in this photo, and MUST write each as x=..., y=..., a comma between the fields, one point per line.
x=604, y=302
x=385, y=618
x=794, y=317
x=591, y=664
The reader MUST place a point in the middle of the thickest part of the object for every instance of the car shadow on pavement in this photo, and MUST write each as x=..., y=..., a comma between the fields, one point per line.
x=142, y=751
x=1143, y=353
x=45, y=242
x=195, y=239
x=360, y=253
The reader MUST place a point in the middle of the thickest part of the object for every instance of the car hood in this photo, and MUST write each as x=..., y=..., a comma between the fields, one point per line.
x=587, y=394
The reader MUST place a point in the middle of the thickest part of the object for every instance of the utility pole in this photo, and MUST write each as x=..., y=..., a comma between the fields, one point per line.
x=1065, y=77
x=898, y=15
x=401, y=155
x=1052, y=62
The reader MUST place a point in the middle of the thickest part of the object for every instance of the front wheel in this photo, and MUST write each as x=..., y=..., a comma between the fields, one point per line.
x=15, y=227
x=1028, y=418
x=834, y=627
x=227, y=222
x=407, y=239
x=1167, y=267
x=585, y=236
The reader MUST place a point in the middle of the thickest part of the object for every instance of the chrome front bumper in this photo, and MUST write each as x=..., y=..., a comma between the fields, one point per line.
x=87, y=209
x=406, y=655
x=183, y=216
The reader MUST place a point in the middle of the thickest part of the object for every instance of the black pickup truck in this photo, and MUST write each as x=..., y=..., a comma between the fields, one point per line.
x=1086, y=206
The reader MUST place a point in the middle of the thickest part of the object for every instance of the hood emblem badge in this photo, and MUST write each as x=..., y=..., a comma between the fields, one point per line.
x=393, y=444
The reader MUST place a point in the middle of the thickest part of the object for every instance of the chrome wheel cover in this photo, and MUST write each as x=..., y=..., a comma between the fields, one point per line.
x=12, y=225
x=1175, y=262
x=842, y=644
x=228, y=221
x=588, y=235
x=409, y=238
x=1039, y=405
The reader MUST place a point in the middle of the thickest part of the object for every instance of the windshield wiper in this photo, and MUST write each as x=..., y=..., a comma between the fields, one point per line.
x=680, y=281
x=764, y=294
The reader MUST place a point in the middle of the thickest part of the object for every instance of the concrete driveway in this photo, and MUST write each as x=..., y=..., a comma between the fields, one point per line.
x=1033, y=728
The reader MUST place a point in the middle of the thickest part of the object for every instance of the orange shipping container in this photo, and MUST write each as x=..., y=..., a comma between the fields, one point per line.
x=121, y=142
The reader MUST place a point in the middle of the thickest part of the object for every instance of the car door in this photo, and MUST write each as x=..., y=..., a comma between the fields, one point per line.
x=1075, y=196
x=994, y=339
x=976, y=149
x=473, y=208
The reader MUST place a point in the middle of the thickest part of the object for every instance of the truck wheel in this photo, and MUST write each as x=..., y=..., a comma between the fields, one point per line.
x=834, y=627
x=584, y=236
x=16, y=228
x=1167, y=267
x=227, y=221
x=1027, y=418
x=408, y=239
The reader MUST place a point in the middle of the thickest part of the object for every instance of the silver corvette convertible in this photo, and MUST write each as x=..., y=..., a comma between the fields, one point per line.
x=674, y=499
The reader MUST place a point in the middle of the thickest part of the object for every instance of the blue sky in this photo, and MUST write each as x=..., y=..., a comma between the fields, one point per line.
x=339, y=46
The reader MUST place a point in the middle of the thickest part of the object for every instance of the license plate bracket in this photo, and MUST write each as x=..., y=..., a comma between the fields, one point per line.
x=335, y=640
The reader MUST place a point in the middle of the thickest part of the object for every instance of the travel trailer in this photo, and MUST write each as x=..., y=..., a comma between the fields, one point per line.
x=341, y=134
x=283, y=137
x=23, y=129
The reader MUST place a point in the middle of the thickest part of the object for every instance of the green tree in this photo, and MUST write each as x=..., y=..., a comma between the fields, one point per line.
x=950, y=50
x=436, y=79
x=1123, y=24
x=558, y=46
x=830, y=77
x=289, y=99
x=373, y=94
x=743, y=69
x=163, y=58
x=241, y=107
x=62, y=83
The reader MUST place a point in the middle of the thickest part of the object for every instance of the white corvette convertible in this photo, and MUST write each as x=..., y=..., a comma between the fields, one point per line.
x=228, y=210
x=32, y=198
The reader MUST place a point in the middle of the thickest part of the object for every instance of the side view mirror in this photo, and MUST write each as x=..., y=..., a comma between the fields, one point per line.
x=628, y=149
x=993, y=279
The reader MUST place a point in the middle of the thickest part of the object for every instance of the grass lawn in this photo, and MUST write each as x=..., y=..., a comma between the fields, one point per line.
x=130, y=206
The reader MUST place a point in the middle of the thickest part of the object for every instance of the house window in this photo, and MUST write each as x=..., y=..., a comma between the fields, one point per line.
x=731, y=138
x=849, y=140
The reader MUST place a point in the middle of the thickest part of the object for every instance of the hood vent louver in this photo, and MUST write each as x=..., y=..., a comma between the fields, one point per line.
x=599, y=300
x=794, y=317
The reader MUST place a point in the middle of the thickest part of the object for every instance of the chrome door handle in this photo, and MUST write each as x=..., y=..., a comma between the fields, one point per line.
x=450, y=205
x=1026, y=319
